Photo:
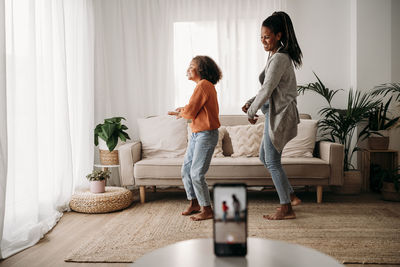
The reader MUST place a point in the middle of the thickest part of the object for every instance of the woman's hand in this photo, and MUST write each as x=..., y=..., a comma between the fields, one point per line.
x=179, y=109
x=245, y=107
x=254, y=120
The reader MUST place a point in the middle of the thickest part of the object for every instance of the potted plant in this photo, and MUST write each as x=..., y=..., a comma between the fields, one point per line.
x=339, y=125
x=386, y=181
x=98, y=180
x=385, y=123
x=110, y=132
x=388, y=88
x=378, y=126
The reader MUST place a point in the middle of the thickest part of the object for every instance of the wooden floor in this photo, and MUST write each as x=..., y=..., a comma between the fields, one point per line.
x=72, y=227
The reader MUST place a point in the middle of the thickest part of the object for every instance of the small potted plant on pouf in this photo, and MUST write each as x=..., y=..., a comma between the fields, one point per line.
x=98, y=180
x=110, y=132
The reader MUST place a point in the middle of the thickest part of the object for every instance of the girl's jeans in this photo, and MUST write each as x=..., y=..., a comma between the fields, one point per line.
x=196, y=163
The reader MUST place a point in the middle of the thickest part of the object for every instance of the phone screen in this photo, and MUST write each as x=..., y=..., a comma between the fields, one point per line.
x=230, y=219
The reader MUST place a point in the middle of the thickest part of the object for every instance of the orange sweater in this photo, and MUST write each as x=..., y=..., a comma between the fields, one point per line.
x=203, y=108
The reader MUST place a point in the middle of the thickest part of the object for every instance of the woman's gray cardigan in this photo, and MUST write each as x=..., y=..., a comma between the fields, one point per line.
x=280, y=88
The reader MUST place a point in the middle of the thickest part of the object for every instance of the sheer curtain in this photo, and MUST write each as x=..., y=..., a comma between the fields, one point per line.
x=49, y=55
x=3, y=120
x=143, y=48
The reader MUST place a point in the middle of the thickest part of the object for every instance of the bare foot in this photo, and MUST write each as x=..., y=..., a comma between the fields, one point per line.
x=295, y=201
x=285, y=212
x=205, y=214
x=193, y=208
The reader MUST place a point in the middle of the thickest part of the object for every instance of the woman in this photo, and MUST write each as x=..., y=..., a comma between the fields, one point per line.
x=203, y=110
x=277, y=100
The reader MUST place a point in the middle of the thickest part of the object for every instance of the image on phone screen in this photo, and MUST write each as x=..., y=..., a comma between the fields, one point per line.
x=230, y=219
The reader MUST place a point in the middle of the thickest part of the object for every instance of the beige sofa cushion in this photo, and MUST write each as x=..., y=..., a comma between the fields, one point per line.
x=228, y=167
x=246, y=139
x=303, y=144
x=232, y=120
x=218, y=148
x=163, y=136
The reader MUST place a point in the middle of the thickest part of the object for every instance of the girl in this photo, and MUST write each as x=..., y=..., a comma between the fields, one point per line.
x=203, y=110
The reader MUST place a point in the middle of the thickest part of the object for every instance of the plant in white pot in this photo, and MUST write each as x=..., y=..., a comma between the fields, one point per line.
x=338, y=125
x=110, y=133
x=97, y=180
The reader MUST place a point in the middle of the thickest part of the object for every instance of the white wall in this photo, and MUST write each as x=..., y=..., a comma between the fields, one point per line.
x=373, y=43
x=378, y=55
x=348, y=44
x=323, y=32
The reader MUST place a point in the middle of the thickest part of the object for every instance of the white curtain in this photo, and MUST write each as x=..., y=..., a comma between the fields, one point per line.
x=3, y=120
x=143, y=48
x=49, y=62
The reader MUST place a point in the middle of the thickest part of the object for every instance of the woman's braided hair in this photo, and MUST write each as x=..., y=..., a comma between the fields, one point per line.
x=280, y=22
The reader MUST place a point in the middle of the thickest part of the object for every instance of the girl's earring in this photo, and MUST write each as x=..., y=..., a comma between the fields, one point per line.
x=282, y=44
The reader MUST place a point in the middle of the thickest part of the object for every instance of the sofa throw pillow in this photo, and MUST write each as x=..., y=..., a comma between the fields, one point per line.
x=246, y=139
x=218, y=148
x=163, y=136
x=302, y=146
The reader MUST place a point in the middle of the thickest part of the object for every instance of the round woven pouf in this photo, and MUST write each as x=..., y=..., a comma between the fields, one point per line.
x=115, y=198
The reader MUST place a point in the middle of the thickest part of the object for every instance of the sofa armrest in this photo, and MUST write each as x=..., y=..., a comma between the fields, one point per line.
x=128, y=154
x=334, y=154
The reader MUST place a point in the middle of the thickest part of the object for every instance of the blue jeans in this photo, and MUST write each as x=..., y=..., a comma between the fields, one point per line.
x=271, y=159
x=196, y=163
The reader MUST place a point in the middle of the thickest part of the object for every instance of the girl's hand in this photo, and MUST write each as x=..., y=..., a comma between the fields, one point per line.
x=254, y=120
x=175, y=113
x=245, y=108
x=179, y=109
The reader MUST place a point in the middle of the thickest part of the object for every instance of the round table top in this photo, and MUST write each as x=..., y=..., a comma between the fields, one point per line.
x=260, y=253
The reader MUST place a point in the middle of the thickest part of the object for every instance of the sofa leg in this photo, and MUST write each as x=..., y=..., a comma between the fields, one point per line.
x=154, y=189
x=142, y=194
x=319, y=193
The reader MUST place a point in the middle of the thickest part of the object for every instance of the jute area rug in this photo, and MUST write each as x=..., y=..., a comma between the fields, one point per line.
x=351, y=229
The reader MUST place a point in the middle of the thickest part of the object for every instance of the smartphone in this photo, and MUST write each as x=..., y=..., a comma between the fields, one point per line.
x=230, y=219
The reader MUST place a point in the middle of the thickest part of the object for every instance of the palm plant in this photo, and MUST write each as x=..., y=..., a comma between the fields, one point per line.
x=319, y=88
x=387, y=88
x=338, y=125
x=378, y=118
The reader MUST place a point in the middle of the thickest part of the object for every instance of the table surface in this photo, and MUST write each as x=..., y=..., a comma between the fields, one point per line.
x=105, y=166
x=260, y=253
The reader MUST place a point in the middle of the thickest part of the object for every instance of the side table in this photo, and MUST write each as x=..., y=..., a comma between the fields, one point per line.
x=385, y=158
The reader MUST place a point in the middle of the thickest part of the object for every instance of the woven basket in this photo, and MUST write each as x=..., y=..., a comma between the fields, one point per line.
x=378, y=143
x=109, y=158
x=115, y=198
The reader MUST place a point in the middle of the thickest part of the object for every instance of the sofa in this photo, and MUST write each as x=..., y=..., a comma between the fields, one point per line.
x=323, y=168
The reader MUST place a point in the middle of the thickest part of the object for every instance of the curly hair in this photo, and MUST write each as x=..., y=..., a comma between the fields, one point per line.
x=281, y=22
x=208, y=69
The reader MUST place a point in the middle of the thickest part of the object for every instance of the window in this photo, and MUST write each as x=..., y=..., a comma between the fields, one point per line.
x=234, y=45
